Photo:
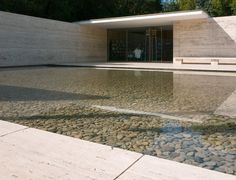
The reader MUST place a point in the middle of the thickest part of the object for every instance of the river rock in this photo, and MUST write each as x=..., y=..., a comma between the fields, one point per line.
x=186, y=135
x=190, y=154
x=198, y=159
x=52, y=129
x=211, y=164
x=179, y=159
x=229, y=170
x=120, y=136
x=186, y=144
x=158, y=152
x=230, y=158
x=168, y=148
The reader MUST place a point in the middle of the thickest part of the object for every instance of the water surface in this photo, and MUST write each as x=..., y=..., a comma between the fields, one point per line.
x=62, y=100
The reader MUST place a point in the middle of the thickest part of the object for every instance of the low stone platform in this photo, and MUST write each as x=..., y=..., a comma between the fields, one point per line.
x=28, y=153
x=157, y=66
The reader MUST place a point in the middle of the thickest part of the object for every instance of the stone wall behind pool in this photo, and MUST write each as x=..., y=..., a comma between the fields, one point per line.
x=26, y=40
x=212, y=37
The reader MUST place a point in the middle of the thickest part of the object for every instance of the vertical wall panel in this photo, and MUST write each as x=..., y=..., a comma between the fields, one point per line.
x=26, y=40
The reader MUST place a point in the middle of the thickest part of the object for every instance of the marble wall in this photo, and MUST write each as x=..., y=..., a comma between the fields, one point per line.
x=26, y=40
x=213, y=37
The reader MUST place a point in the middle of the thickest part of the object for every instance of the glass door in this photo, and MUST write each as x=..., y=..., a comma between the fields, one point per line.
x=153, y=44
x=167, y=44
x=159, y=44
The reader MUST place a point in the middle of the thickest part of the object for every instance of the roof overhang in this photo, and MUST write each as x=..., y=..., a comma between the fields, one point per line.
x=146, y=20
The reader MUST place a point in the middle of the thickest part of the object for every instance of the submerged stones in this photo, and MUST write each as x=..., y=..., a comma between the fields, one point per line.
x=204, y=145
x=212, y=151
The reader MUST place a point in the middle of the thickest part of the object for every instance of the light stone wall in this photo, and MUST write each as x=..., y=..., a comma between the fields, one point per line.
x=213, y=37
x=26, y=40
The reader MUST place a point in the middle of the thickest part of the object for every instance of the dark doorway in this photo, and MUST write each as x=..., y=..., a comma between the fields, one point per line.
x=153, y=44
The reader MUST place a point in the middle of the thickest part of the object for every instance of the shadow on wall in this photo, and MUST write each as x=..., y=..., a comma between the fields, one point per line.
x=14, y=93
x=224, y=36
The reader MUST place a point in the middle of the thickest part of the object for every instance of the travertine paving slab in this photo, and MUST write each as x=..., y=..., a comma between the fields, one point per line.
x=39, y=155
x=6, y=128
x=152, y=168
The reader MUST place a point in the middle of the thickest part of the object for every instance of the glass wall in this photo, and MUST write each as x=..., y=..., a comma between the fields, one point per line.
x=153, y=44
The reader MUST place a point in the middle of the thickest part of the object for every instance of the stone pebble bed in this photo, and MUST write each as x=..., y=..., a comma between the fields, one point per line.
x=211, y=145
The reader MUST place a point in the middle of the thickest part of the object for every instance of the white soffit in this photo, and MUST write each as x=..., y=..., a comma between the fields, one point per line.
x=146, y=20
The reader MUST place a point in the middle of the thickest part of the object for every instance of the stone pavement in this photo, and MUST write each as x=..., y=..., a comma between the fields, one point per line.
x=27, y=153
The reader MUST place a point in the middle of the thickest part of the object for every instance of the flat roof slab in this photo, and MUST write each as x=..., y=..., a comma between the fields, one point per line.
x=146, y=20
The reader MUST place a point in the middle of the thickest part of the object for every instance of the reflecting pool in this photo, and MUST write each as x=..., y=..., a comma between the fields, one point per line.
x=67, y=100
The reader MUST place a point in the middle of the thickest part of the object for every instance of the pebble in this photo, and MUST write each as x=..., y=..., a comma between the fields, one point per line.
x=190, y=154
x=229, y=170
x=120, y=136
x=168, y=148
x=52, y=129
x=198, y=159
x=211, y=163
x=158, y=152
x=230, y=158
x=179, y=159
x=186, y=135
x=200, y=154
x=186, y=144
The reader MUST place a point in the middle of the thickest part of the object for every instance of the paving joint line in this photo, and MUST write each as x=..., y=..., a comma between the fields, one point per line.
x=128, y=167
x=14, y=132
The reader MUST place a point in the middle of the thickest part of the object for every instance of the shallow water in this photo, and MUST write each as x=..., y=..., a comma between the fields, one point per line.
x=62, y=100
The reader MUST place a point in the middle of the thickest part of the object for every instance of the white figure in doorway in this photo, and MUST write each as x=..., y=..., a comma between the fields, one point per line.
x=138, y=53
